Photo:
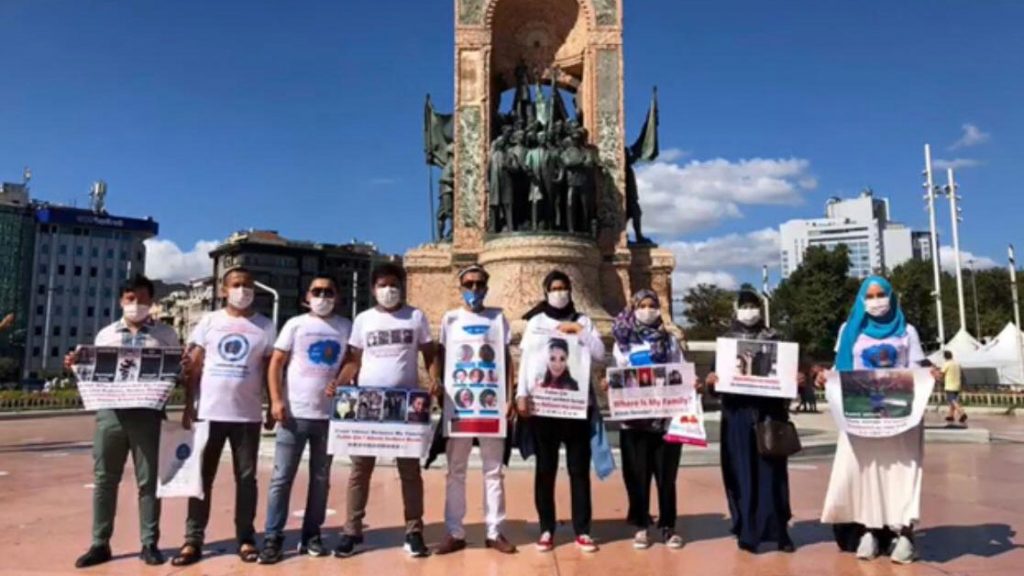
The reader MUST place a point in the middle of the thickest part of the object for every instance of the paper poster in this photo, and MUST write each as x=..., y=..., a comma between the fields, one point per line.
x=652, y=391
x=558, y=369
x=115, y=377
x=757, y=367
x=878, y=403
x=181, y=460
x=381, y=422
x=474, y=380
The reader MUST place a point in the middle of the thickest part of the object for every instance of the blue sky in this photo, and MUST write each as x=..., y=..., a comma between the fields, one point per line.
x=305, y=117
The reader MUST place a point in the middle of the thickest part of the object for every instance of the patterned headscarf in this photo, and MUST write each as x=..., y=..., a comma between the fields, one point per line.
x=627, y=331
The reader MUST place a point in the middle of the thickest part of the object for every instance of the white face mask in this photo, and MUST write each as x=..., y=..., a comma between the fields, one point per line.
x=388, y=296
x=559, y=299
x=136, y=312
x=321, y=306
x=748, y=316
x=647, y=316
x=240, y=297
x=877, y=307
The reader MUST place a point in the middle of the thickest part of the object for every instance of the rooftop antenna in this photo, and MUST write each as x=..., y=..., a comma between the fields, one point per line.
x=98, y=196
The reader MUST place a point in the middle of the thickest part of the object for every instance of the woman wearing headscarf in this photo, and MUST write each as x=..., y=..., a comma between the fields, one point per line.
x=557, y=314
x=756, y=487
x=642, y=339
x=874, y=494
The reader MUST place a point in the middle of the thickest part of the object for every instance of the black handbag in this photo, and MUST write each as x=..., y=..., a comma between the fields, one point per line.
x=777, y=438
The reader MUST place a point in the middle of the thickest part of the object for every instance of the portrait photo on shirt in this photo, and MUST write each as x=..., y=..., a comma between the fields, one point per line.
x=659, y=376
x=487, y=354
x=465, y=353
x=459, y=376
x=371, y=405
x=629, y=379
x=419, y=407
x=464, y=398
x=877, y=394
x=395, y=405
x=557, y=374
x=345, y=404
x=476, y=376
x=489, y=400
x=675, y=378
x=757, y=358
x=492, y=377
x=645, y=377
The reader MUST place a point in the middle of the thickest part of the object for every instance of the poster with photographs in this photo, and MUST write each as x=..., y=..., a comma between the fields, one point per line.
x=558, y=369
x=757, y=367
x=111, y=377
x=381, y=422
x=474, y=380
x=652, y=391
x=878, y=403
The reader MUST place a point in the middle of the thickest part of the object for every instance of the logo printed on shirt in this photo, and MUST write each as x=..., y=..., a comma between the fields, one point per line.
x=388, y=338
x=233, y=347
x=880, y=356
x=324, y=352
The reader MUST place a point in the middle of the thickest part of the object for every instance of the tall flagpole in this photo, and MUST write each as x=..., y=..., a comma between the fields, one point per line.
x=954, y=210
x=1016, y=310
x=766, y=296
x=930, y=197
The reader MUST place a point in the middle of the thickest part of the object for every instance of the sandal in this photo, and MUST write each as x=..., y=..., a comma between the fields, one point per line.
x=189, y=554
x=248, y=553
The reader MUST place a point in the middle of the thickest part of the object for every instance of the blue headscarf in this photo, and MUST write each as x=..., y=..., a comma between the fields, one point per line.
x=860, y=322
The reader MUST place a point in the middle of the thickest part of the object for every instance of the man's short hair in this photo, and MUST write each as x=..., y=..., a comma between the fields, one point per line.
x=234, y=270
x=139, y=282
x=388, y=269
x=474, y=269
x=947, y=355
x=327, y=277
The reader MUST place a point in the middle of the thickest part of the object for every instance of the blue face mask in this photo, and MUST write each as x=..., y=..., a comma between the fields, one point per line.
x=474, y=299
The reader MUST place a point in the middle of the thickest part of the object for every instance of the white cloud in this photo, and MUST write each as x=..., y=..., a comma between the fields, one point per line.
x=955, y=163
x=679, y=199
x=750, y=250
x=972, y=136
x=683, y=281
x=166, y=261
x=672, y=154
x=947, y=258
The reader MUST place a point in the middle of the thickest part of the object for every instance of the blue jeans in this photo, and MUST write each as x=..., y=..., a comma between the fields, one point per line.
x=292, y=437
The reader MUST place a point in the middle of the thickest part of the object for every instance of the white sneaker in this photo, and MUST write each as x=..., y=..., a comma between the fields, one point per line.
x=586, y=544
x=641, y=541
x=903, y=552
x=868, y=547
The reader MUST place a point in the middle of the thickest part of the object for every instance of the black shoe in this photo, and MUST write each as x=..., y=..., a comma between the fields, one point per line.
x=313, y=546
x=415, y=546
x=347, y=545
x=151, y=555
x=747, y=547
x=95, y=555
x=786, y=545
x=272, y=552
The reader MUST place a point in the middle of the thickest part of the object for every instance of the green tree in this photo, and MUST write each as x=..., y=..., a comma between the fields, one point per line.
x=913, y=283
x=811, y=304
x=8, y=370
x=708, y=310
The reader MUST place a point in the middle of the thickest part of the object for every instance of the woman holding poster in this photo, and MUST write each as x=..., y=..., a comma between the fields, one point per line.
x=757, y=487
x=551, y=317
x=874, y=494
x=642, y=339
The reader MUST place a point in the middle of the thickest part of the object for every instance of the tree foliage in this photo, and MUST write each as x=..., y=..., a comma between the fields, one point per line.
x=708, y=311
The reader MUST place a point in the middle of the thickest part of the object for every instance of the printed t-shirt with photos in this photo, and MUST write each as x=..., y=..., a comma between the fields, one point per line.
x=390, y=342
x=231, y=388
x=317, y=346
x=467, y=317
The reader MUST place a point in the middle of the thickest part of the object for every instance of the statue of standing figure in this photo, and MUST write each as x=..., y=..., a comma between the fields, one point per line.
x=500, y=184
x=578, y=164
x=446, y=208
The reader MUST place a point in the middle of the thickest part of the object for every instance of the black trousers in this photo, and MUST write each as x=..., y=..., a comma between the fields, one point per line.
x=550, y=434
x=647, y=456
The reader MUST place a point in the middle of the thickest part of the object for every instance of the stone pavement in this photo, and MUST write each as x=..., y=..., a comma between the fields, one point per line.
x=971, y=507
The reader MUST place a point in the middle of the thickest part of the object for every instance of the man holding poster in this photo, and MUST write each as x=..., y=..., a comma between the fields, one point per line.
x=123, y=430
x=474, y=339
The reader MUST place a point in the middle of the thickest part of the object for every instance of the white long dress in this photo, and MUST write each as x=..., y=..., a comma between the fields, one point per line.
x=876, y=482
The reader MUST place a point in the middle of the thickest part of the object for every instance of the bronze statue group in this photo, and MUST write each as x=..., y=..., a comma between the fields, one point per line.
x=873, y=499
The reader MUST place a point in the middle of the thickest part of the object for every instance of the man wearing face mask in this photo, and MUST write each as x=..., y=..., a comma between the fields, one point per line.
x=230, y=352
x=311, y=346
x=120, y=431
x=386, y=362
x=473, y=282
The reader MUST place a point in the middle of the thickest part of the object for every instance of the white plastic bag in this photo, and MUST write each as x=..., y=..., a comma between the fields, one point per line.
x=181, y=459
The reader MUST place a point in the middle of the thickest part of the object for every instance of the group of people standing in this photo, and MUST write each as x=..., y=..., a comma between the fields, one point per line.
x=873, y=498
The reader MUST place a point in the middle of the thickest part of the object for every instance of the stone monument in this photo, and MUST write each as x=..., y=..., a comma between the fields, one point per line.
x=532, y=185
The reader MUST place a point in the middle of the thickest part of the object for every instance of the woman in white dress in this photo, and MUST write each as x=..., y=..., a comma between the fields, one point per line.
x=874, y=494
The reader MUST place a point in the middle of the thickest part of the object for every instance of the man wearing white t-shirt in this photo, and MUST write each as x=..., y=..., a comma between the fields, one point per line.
x=312, y=346
x=473, y=282
x=230, y=352
x=383, y=352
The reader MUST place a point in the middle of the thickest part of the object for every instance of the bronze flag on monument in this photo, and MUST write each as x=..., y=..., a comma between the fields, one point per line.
x=645, y=149
x=437, y=134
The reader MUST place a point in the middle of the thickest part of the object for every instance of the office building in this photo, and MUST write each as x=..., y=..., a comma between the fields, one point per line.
x=875, y=242
x=182, y=309
x=17, y=234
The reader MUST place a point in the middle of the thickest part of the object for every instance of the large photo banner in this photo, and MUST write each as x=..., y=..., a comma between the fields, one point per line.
x=878, y=403
x=654, y=391
x=757, y=367
x=110, y=377
x=558, y=368
x=381, y=422
x=474, y=380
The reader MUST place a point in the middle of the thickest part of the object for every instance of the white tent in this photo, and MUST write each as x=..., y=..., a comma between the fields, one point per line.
x=962, y=346
x=1001, y=358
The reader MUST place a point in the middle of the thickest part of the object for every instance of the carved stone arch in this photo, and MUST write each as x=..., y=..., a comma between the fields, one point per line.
x=587, y=6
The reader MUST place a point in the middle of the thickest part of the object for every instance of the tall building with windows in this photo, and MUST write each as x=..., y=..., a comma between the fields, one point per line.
x=79, y=259
x=288, y=266
x=17, y=234
x=875, y=242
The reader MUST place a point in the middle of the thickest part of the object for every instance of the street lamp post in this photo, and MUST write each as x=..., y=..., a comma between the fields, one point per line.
x=277, y=298
x=954, y=209
x=929, y=186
